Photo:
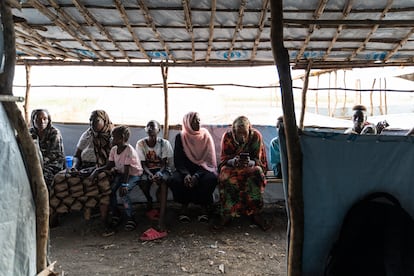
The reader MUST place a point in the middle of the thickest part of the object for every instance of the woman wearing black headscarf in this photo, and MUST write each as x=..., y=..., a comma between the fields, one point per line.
x=50, y=144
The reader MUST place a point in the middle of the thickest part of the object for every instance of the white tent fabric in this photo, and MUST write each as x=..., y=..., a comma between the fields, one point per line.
x=17, y=218
x=340, y=169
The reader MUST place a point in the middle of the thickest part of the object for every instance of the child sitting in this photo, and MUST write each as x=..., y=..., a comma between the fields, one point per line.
x=128, y=171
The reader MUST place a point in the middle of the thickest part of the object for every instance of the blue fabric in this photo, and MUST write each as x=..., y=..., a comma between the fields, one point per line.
x=126, y=200
x=274, y=153
x=340, y=169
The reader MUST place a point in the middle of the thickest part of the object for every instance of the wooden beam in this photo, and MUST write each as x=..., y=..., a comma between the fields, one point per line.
x=211, y=30
x=371, y=33
x=261, y=23
x=92, y=22
x=304, y=92
x=164, y=73
x=239, y=26
x=189, y=25
x=294, y=152
x=71, y=29
x=29, y=152
x=151, y=24
x=121, y=9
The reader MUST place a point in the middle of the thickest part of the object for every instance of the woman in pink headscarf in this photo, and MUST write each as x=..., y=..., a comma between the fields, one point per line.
x=195, y=161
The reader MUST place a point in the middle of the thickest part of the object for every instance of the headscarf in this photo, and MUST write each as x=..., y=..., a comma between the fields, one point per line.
x=101, y=139
x=33, y=128
x=51, y=147
x=230, y=146
x=198, y=145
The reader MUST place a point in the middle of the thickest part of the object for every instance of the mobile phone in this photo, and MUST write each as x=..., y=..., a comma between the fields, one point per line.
x=244, y=155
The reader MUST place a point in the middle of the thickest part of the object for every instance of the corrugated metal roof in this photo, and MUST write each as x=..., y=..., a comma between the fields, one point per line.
x=334, y=34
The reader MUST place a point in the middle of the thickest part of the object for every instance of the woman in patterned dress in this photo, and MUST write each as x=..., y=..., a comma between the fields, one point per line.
x=242, y=173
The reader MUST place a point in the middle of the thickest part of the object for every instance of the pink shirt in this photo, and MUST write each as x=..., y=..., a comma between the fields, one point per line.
x=127, y=157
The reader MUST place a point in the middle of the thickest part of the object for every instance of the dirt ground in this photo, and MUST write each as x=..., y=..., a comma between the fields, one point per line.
x=189, y=249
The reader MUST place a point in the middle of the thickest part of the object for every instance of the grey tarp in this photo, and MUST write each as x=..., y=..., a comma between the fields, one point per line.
x=17, y=216
x=338, y=170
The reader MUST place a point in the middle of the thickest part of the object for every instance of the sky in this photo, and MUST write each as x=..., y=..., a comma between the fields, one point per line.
x=218, y=105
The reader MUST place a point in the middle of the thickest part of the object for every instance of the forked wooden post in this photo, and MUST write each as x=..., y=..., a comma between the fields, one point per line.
x=294, y=152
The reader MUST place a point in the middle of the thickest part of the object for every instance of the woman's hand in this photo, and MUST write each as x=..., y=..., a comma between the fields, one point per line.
x=123, y=190
x=243, y=162
x=94, y=173
x=188, y=181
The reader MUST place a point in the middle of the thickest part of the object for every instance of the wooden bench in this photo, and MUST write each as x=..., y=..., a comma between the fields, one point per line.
x=272, y=179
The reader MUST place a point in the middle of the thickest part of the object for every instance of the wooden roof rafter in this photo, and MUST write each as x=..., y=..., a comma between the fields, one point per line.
x=346, y=11
x=121, y=9
x=238, y=27
x=211, y=29
x=33, y=38
x=77, y=27
x=189, y=25
x=56, y=20
x=318, y=12
x=91, y=20
x=373, y=30
x=34, y=50
x=151, y=24
x=262, y=21
x=399, y=45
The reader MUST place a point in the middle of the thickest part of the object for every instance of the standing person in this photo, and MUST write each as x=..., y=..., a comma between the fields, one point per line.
x=50, y=143
x=128, y=171
x=274, y=149
x=242, y=173
x=155, y=154
x=361, y=125
x=195, y=162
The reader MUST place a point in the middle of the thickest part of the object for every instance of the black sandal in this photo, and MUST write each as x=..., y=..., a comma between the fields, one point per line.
x=203, y=218
x=115, y=222
x=130, y=225
x=261, y=222
x=184, y=219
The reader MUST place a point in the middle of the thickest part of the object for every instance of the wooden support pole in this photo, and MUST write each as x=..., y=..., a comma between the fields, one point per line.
x=294, y=152
x=29, y=153
x=27, y=97
x=164, y=73
x=371, y=98
x=304, y=93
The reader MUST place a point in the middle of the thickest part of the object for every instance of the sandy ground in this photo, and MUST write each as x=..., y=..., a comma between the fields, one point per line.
x=189, y=249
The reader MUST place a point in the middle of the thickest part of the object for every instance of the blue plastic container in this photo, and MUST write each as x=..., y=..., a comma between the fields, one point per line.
x=69, y=161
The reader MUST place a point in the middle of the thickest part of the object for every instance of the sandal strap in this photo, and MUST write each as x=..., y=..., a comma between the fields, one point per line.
x=184, y=218
x=130, y=225
x=202, y=218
